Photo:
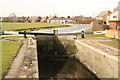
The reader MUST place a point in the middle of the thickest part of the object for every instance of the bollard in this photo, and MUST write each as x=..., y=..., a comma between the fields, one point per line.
x=31, y=40
x=55, y=32
x=82, y=34
x=25, y=34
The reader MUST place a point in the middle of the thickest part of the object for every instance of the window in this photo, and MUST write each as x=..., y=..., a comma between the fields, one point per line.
x=114, y=16
x=118, y=26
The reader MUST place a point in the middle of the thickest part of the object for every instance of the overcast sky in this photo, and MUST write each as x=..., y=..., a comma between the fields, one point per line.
x=56, y=7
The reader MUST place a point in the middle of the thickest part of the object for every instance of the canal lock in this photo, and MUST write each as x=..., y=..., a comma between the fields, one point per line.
x=56, y=59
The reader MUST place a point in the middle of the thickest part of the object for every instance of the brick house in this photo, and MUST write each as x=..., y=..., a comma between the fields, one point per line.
x=113, y=16
x=50, y=18
x=103, y=15
x=32, y=19
x=82, y=20
x=44, y=19
x=114, y=25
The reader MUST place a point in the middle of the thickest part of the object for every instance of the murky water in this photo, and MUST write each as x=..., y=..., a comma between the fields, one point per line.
x=62, y=68
x=56, y=62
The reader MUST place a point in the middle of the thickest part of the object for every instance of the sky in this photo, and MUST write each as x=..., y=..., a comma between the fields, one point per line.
x=56, y=7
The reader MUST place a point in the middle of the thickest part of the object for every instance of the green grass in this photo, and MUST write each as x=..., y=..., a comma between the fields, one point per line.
x=7, y=26
x=9, y=50
x=14, y=37
x=93, y=35
x=114, y=43
x=89, y=30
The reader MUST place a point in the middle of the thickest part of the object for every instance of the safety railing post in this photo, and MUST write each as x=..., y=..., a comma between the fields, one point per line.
x=55, y=32
x=82, y=35
x=25, y=34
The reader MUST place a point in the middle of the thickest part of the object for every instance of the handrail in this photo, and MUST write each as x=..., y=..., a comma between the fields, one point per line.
x=55, y=33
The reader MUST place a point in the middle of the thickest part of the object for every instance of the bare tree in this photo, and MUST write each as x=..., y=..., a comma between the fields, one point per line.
x=82, y=15
x=12, y=17
x=55, y=15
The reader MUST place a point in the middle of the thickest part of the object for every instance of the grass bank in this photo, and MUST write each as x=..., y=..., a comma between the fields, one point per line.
x=7, y=26
x=92, y=35
x=14, y=37
x=89, y=30
x=9, y=50
x=114, y=43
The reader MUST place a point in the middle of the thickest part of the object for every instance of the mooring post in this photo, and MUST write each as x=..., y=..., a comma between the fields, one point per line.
x=25, y=34
x=55, y=32
x=82, y=34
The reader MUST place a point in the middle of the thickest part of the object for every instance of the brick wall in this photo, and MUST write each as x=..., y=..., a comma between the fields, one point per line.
x=113, y=33
x=112, y=25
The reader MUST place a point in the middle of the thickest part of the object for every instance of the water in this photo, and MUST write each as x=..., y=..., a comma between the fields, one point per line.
x=74, y=29
x=63, y=68
x=56, y=60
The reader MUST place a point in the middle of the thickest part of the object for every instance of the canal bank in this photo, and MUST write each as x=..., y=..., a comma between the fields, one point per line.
x=101, y=61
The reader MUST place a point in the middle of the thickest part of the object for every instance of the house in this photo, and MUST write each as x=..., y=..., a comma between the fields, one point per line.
x=50, y=18
x=38, y=19
x=82, y=20
x=61, y=20
x=112, y=16
x=103, y=15
x=5, y=19
x=21, y=19
x=114, y=25
x=44, y=19
x=32, y=19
